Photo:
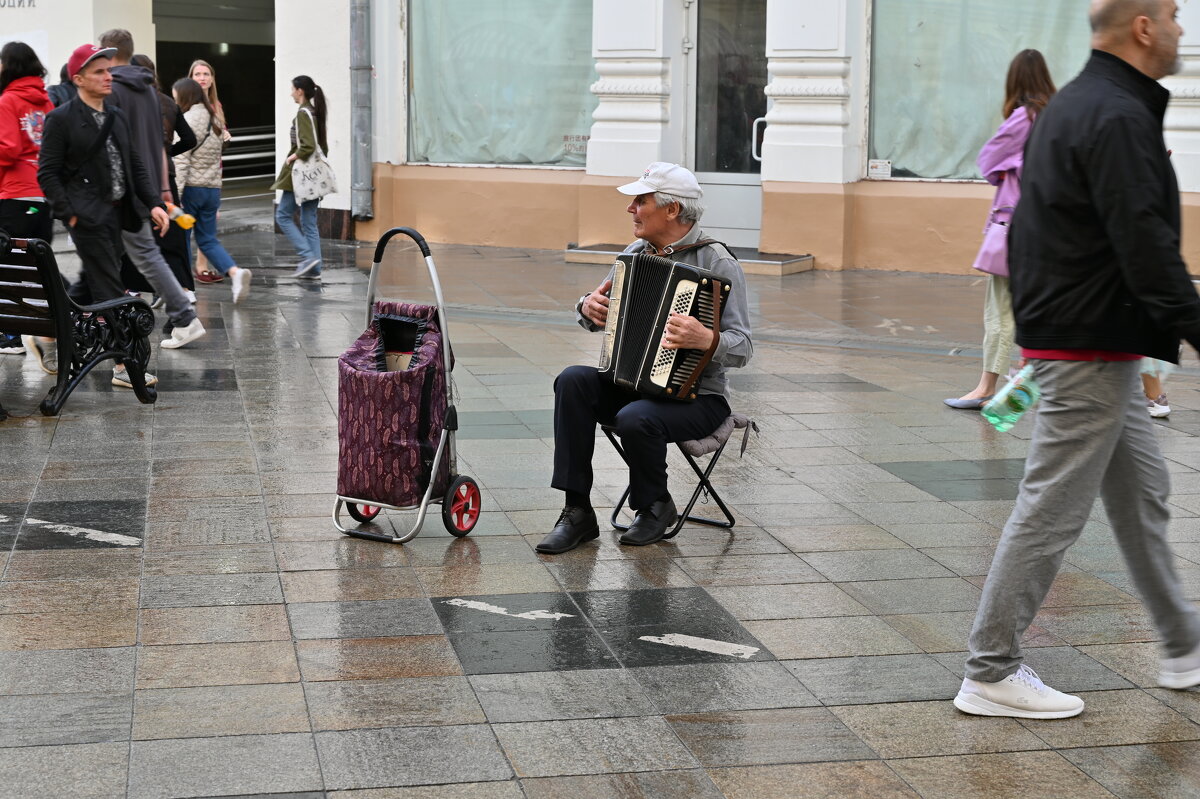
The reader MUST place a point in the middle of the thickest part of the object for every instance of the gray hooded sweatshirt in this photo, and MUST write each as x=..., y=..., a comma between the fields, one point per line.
x=134, y=93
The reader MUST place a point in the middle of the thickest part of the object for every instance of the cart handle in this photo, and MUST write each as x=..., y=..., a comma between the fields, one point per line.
x=373, y=280
x=372, y=287
x=407, y=231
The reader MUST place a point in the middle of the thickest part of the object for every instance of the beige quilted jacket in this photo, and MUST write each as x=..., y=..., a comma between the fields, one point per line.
x=200, y=166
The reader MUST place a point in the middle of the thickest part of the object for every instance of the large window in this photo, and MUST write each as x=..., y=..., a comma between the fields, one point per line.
x=938, y=69
x=500, y=82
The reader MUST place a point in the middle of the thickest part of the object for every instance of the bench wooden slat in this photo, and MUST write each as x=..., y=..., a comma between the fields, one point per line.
x=19, y=258
x=27, y=326
x=10, y=273
x=17, y=312
x=22, y=291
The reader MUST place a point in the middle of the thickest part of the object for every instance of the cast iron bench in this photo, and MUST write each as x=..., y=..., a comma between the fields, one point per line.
x=34, y=302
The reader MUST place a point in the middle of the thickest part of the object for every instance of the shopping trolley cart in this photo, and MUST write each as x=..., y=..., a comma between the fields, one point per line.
x=396, y=415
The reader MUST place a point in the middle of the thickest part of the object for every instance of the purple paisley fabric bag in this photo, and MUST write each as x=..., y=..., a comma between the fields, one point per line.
x=390, y=422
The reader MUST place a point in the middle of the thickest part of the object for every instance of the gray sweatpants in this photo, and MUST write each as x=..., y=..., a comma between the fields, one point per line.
x=1092, y=435
x=143, y=250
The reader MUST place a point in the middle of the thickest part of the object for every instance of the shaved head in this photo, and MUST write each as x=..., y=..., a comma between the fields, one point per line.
x=1143, y=33
x=1113, y=16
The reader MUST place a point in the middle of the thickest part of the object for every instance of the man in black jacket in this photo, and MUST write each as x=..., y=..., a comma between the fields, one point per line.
x=1097, y=282
x=92, y=176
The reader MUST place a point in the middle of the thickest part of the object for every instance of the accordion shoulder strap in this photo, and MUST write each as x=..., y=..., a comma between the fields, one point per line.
x=697, y=245
x=686, y=388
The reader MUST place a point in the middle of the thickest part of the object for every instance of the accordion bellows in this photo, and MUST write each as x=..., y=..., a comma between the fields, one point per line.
x=390, y=422
x=646, y=290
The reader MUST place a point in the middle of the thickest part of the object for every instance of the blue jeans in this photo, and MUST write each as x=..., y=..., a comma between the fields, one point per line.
x=203, y=203
x=308, y=242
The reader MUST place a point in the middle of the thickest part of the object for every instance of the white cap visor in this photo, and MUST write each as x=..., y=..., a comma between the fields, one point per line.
x=636, y=188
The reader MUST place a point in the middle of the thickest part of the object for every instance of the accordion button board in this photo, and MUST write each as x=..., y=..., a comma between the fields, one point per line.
x=646, y=290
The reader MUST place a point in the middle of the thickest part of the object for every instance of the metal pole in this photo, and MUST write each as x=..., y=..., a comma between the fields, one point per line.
x=362, y=201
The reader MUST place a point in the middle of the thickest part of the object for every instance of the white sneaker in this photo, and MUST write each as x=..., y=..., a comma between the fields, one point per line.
x=11, y=346
x=44, y=352
x=183, y=335
x=1180, y=672
x=121, y=377
x=191, y=296
x=1159, y=407
x=241, y=284
x=1022, y=695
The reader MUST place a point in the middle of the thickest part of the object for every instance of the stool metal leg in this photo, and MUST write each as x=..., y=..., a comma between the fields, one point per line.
x=703, y=485
x=615, y=519
x=686, y=515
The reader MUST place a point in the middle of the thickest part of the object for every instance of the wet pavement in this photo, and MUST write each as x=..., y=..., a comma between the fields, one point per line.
x=179, y=617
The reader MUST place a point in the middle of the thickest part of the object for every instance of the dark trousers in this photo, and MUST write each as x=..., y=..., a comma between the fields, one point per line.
x=582, y=399
x=27, y=219
x=98, y=243
x=174, y=247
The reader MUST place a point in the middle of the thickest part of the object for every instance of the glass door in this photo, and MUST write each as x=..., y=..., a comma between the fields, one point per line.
x=729, y=73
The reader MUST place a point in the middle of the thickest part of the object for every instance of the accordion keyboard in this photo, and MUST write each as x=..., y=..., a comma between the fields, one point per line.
x=690, y=359
x=664, y=360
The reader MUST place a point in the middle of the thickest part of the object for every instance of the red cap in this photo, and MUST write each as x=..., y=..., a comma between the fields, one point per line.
x=85, y=54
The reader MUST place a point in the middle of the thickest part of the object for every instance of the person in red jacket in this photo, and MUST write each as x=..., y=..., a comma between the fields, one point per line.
x=24, y=105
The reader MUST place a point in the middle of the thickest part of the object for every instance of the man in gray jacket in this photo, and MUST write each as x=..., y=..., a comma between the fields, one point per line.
x=666, y=212
x=134, y=93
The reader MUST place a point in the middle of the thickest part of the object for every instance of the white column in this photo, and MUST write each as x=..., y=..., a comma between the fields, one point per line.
x=1183, y=115
x=816, y=62
x=312, y=37
x=637, y=45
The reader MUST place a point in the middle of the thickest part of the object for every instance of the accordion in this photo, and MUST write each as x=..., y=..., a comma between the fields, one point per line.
x=646, y=290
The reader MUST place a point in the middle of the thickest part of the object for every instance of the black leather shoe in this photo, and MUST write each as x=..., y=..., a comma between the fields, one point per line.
x=574, y=526
x=652, y=524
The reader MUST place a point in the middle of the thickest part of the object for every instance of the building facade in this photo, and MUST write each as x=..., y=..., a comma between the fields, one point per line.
x=846, y=129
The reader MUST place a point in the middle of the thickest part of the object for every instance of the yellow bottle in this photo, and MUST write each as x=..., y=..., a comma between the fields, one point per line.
x=183, y=219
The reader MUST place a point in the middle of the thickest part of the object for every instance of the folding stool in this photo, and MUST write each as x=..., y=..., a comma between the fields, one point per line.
x=713, y=444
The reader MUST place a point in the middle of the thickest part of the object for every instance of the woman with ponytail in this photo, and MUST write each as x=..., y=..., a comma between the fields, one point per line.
x=203, y=73
x=308, y=132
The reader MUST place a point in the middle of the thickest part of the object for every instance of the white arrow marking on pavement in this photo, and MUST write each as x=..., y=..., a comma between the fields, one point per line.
x=702, y=644
x=499, y=611
x=93, y=535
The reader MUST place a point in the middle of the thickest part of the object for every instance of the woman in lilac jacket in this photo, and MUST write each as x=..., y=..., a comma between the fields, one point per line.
x=1027, y=90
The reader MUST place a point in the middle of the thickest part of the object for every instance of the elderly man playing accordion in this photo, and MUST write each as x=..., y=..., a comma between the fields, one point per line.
x=666, y=212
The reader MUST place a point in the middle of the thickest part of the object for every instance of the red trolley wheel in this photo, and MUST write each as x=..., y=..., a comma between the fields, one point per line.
x=460, y=508
x=362, y=513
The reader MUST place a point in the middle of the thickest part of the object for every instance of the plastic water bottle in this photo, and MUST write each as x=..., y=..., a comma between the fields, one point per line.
x=1011, y=402
x=180, y=217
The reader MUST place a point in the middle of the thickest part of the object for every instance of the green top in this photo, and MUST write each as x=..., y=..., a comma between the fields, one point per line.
x=304, y=144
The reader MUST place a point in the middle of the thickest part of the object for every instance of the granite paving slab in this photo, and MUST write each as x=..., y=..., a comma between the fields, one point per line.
x=415, y=756
x=245, y=764
x=250, y=649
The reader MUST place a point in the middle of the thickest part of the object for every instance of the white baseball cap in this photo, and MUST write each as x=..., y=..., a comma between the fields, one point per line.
x=667, y=178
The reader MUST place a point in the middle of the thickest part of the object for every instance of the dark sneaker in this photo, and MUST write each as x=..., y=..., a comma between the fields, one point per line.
x=652, y=524
x=307, y=268
x=11, y=345
x=574, y=526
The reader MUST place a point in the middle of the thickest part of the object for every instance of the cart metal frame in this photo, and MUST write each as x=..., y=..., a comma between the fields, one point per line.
x=446, y=444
